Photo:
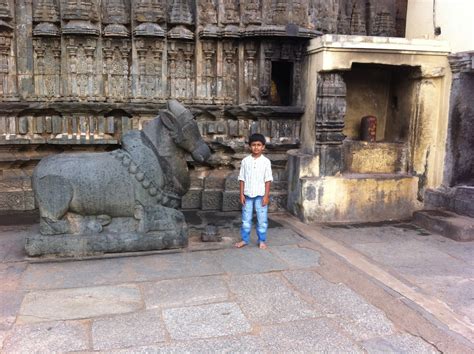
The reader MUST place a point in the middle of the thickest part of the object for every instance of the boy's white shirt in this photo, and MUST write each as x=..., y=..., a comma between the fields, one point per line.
x=255, y=172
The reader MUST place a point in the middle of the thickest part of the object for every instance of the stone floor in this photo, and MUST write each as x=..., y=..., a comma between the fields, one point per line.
x=296, y=296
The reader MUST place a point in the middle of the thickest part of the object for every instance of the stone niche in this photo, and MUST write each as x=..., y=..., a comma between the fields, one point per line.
x=336, y=177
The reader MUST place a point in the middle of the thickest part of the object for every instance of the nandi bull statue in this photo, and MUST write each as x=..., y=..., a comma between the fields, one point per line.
x=119, y=201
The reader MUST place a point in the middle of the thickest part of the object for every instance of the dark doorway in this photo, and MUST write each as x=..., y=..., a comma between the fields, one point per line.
x=282, y=86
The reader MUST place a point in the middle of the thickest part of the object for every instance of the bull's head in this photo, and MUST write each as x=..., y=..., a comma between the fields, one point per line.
x=184, y=130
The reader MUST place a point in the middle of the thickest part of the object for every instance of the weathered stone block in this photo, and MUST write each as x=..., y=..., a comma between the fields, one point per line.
x=192, y=199
x=212, y=200
x=211, y=234
x=230, y=201
x=278, y=201
x=378, y=157
x=214, y=182
x=14, y=200
x=232, y=183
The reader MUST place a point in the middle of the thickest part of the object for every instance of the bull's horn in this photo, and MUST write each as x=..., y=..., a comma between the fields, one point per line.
x=179, y=110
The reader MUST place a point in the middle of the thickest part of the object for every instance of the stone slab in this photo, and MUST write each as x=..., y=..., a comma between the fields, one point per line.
x=249, y=260
x=359, y=318
x=121, y=331
x=280, y=236
x=266, y=299
x=185, y=292
x=398, y=343
x=10, y=302
x=48, y=337
x=119, y=270
x=311, y=336
x=205, y=321
x=10, y=274
x=297, y=257
x=40, y=306
x=230, y=344
x=446, y=223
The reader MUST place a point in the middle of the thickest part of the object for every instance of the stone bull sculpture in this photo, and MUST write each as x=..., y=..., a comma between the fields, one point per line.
x=123, y=200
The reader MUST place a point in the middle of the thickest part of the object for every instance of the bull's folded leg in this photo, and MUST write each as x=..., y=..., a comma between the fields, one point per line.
x=53, y=227
x=160, y=218
x=54, y=193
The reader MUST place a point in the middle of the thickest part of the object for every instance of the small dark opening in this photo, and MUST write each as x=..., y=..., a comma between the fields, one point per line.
x=282, y=72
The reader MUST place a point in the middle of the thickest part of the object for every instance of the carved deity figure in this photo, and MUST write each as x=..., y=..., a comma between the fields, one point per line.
x=123, y=200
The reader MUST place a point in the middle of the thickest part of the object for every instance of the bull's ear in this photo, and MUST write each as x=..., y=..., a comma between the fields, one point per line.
x=169, y=120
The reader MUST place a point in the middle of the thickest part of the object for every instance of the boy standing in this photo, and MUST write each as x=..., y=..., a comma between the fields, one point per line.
x=255, y=179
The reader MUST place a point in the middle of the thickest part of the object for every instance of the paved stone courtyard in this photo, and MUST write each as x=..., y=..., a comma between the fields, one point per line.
x=295, y=296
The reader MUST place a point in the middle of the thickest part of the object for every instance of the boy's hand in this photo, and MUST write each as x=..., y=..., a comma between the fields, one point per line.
x=242, y=199
x=265, y=200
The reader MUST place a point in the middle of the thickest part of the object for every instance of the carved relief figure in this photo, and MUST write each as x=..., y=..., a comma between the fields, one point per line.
x=207, y=12
x=81, y=62
x=150, y=54
x=231, y=11
x=47, y=59
x=230, y=71
x=252, y=13
x=126, y=193
x=251, y=72
x=116, y=55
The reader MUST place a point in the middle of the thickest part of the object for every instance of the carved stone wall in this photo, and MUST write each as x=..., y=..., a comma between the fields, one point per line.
x=76, y=74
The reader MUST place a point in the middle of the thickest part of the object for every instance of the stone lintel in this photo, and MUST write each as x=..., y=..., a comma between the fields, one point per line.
x=383, y=44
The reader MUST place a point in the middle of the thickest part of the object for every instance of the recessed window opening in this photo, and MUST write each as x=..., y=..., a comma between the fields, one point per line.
x=282, y=86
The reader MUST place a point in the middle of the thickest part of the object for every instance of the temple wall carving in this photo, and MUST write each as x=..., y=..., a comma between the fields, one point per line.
x=76, y=74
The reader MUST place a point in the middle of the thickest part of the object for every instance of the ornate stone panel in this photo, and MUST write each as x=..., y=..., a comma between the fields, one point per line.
x=116, y=55
x=148, y=83
x=82, y=73
x=8, y=87
x=47, y=67
x=251, y=72
x=251, y=11
x=230, y=72
x=208, y=86
x=230, y=13
x=181, y=69
x=330, y=113
x=323, y=15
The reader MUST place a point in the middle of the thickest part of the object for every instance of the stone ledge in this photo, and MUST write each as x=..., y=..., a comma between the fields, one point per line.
x=446, y=223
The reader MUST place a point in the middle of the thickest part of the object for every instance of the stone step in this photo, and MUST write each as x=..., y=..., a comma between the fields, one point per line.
x=446, y=223
x=463, y=202
x=458, y=199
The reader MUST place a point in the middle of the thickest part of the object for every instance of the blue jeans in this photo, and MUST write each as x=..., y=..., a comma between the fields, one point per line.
x=247, y=215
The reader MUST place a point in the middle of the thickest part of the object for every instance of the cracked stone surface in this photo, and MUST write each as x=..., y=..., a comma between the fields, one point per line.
x=288, y=298
x=205, y=321
x=79, y=303
x=121, y=331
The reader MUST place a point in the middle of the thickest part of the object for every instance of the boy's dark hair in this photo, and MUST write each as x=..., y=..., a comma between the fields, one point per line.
x=257, y=137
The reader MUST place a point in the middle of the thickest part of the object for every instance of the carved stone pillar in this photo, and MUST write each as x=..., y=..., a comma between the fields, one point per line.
x=116, y=51
x=81, y=30
x=148, y=81
x=47, y=49
x=330, y=113
x=8, y=89
x=266, y=80
x=251, y=73
x=230, y=72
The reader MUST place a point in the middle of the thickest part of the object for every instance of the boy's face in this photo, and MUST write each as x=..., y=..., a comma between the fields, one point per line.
x=256, y=147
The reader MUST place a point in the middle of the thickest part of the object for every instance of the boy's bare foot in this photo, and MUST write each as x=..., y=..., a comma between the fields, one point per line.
x=240, y=244
x=262, y=246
